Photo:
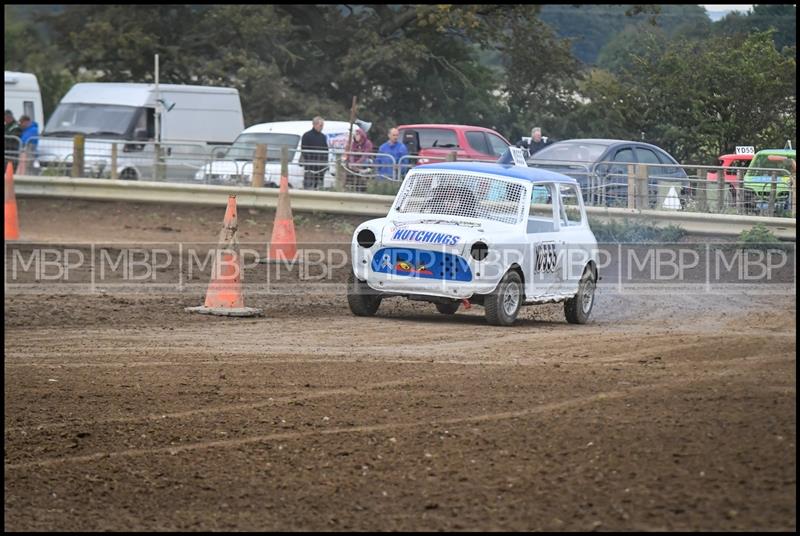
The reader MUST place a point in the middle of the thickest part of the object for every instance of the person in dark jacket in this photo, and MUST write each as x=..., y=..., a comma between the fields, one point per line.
x=11, y=142
x=314, y=163
x=537, y=142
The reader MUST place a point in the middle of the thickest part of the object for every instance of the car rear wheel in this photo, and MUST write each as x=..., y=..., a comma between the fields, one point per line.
x=578, y=308
x=502, y=305
x=363, y=301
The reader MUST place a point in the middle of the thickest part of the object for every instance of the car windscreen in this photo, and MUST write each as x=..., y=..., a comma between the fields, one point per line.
x=446, y=193
x=762, y=161
x=244, y=146
x=571, y=152
x=91, y=119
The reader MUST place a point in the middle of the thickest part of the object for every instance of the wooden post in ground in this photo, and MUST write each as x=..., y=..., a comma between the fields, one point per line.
x=259, y=163
x=721, y=184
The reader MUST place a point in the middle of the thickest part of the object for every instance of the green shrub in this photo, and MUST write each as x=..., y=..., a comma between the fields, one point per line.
x=637, y=231
x=383, y=187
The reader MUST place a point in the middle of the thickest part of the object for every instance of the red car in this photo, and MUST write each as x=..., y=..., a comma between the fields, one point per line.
x=432, y=143
x=728, y=161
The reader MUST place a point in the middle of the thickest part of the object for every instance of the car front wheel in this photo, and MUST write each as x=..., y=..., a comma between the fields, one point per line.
x=363, y=301
x=502, y=305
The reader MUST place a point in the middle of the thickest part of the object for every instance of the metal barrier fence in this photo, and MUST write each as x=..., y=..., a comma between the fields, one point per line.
x=691, y=188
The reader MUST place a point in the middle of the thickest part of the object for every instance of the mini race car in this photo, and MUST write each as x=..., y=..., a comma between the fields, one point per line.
x=500, y=236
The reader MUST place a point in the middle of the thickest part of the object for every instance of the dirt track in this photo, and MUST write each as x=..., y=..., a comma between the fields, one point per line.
x=671, y=411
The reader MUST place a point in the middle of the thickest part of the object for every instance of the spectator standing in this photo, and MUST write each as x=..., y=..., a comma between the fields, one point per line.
x=358, y=170
x=11, y=143
x=314, y=163
x=30, y=134
x=361, y=144
x=397, y=150
x=537, y=142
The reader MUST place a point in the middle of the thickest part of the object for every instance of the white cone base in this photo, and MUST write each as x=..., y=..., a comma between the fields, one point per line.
x=224, y=311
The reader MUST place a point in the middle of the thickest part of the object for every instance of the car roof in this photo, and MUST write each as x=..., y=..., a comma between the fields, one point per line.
x=513, y=172
x=779, y=152
x=296, y=127
x=607, y=142
x=734, y=156
x=450, y=126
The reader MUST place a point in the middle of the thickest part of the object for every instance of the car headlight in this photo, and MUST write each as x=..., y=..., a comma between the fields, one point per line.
x=479, y=250
x=365, y=238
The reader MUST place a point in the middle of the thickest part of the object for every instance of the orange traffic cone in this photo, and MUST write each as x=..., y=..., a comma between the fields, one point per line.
x=283, y=244
x=12, y=221
x=224, y=295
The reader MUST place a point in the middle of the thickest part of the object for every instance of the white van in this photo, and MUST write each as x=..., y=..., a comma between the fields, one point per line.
x=23, y=97
x=194, y=119
x=235, y=165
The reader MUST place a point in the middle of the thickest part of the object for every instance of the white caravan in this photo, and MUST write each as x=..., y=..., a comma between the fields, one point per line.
x=235, y=165
x=23, y=97
x=194, y=119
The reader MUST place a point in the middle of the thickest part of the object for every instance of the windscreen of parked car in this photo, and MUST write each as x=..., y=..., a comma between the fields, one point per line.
x=91, y=119
x=461, y=194
x=569, y=151
x=762, y=161
x=244, y=145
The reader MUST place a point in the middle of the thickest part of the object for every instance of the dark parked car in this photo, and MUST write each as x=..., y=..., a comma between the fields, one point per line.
x=601, y=167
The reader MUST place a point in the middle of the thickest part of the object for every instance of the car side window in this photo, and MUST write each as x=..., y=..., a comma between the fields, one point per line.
x=497, y=145
x=649, y=158
x=570, y=205
x=478, y=142
x=541, y=216
x=624, y=155
x=666, y=159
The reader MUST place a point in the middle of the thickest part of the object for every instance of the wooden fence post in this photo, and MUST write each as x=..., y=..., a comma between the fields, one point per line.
x=721, y=184
x=341, y=176
x=773, y=190
x=631, y=186
x=114, y=157
x=78, y=148
x=642, y=187
x=259, y=163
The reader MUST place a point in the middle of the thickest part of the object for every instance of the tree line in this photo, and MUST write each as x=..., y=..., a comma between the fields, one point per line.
x=661, y=74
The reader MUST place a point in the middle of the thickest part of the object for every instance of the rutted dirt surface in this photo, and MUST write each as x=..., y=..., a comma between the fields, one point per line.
x=668, y=411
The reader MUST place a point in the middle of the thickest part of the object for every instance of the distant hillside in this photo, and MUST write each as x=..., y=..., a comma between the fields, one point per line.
x=592, y=26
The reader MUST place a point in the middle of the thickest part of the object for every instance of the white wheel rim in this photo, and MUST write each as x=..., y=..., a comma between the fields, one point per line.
x=511, y=298
x=587, y=297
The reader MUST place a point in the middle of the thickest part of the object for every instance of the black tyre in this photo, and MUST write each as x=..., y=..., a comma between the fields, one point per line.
x=502, y=305
x=128, y=174
x=363, y=301
x=448, y=308
x=578, y=308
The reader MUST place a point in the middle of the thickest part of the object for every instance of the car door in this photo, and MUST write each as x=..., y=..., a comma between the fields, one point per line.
x=497, y=145
x=615, y=181
x=571, y=234
x=478, y=145
x=541, y=257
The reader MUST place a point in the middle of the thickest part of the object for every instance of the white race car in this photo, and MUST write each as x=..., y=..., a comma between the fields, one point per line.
x=496, y=235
